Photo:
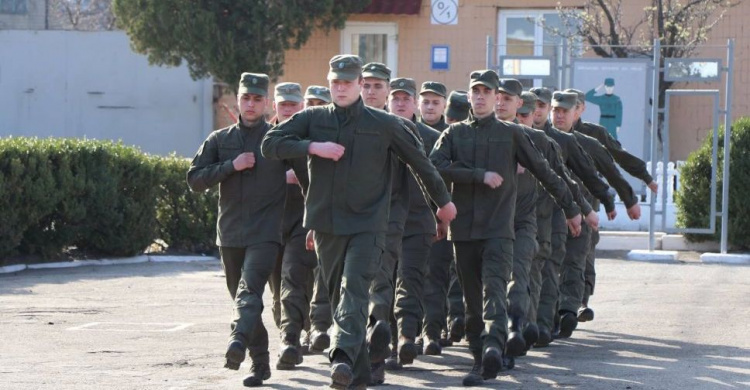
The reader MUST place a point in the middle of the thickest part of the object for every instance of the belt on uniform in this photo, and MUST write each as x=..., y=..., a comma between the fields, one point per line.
x=608, y=116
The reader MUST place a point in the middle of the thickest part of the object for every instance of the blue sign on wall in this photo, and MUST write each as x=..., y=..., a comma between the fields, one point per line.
x=441, y=56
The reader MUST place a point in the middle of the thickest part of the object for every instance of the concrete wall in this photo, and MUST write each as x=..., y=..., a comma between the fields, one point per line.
x=78, y=84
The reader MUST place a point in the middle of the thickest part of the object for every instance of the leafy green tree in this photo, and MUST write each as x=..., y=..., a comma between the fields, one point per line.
x=223, y=38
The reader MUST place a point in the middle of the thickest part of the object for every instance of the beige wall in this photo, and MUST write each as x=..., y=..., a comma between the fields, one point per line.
x=690, y=117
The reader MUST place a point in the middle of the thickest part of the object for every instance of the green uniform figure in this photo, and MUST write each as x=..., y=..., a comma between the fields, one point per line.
x=606, y=166
x=251, y=206
x=610, y=106
x=321, y=316
x=419, y=231
x=382, y=328
x=479, y=157
x=443, y=297
x=570, y=250
x=350, y=148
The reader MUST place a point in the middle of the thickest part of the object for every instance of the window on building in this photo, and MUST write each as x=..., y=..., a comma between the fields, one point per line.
x=373, y=42
x=13, y=7
x=523, y=33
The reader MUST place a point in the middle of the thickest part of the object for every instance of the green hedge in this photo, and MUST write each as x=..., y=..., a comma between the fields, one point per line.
x=96, y=198
x=693, y=197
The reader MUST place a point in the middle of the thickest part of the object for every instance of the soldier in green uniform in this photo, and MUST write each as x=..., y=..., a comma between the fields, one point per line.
x=350, y=148
x=320, y=307
x=441, y=278
x=292, y=280
x=610, y=106
x=382, y=327
x=582, y=170
x=605, y=165
x=572, y=282
x=251, y=206
x=419, y=230
x=479, y=157
x=432, y=103
x=376, y=88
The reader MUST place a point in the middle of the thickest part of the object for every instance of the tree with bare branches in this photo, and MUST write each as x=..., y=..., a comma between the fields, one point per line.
x=83, y=15
x=681, y=26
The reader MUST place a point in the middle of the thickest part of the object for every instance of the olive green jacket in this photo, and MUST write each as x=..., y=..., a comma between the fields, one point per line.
x=251, y=202
x=421, y=218
x=352, y=195
x=606, y=166
x=466, y=151
x=581, y=166
x=440, y=126
x=631, y=164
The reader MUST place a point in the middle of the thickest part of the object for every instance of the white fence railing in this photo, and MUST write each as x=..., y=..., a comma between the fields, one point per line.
x=673, y=184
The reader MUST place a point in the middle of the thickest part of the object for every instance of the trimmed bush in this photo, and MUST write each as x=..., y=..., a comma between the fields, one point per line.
x=693, y=198
x=186, y=220
x=97, y=197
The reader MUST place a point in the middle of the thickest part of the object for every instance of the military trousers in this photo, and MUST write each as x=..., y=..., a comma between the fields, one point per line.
x=383, y=287
x=590, y=273
x=321, y=315
x=247, y=271
x=436, y=285
x=297, y=276
x=410, y=276
x=484, y=267
x=524, y=249
x=456, y=306
x=572, y=280
x=550, y=271
x=544, y=251
x=348, y=264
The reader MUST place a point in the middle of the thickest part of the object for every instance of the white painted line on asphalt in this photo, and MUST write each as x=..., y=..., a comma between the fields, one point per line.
x=118, y=261
x=629, y=365
x=9, y=269
x=133, y=326
x=180, y=259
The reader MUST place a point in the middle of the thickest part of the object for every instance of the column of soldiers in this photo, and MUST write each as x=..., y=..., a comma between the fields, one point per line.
x=391, y=221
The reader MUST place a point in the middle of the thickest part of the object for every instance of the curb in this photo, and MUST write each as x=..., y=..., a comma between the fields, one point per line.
x=9, y=269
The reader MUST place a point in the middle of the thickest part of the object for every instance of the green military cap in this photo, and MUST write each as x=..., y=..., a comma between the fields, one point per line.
x=376, y=70
x=253, y=83
x=543, y=94
x=486, y=77
x=511, y=87
x=565, y=100
x=404, y=84
x=345, y=67
x=288, y=92
x=529, y=103
x=609, y=82
x=318, y=92
x=458, y=106
x=581, y=95
x=434, y=87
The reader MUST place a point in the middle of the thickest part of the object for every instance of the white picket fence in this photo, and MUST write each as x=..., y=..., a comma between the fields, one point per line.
x=622, y=222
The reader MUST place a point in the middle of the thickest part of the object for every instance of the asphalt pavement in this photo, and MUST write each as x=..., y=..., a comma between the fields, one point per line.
x=680, y=326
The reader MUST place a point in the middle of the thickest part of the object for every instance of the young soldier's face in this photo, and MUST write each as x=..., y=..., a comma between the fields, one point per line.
x=375, y=92
x=431, y=107
x=482, y=100
x=541, y=114
x=564, y=118
x=252, y=106
x=312, y=102
x=507, y=106
x=345, y=92
x=285, y=110
x=526, y=119
x=402, y=104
